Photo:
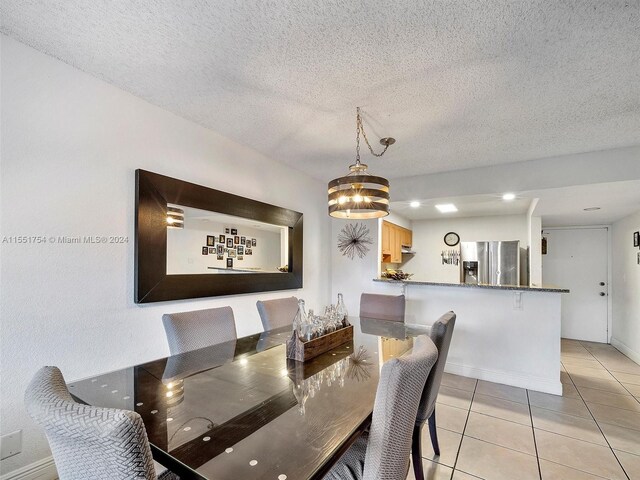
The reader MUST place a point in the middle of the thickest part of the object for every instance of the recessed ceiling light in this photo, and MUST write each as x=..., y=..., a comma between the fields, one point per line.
x=414, y=204
x=509, y=196
x=446, y=208
x=591, y=209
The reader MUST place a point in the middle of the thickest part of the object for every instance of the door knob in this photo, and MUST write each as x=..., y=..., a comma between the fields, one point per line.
x=602, y=284
x=602, y=294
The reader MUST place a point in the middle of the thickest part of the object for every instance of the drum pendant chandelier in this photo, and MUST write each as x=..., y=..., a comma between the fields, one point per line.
x=360, y=195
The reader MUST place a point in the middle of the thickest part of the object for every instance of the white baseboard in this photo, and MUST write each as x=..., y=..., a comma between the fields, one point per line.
x=632, y=354
x=43, y=469
x=538, y=384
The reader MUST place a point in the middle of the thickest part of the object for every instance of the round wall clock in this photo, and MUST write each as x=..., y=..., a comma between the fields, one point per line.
x=451, y=239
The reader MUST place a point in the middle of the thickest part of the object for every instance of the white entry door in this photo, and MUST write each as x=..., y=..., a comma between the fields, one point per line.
x=577, y=259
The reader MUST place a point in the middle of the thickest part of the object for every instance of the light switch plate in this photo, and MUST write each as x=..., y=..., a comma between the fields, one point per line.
x=517, y=300
x=10, y=444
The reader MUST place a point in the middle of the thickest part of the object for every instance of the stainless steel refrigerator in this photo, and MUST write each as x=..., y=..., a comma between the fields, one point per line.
x=490, y=263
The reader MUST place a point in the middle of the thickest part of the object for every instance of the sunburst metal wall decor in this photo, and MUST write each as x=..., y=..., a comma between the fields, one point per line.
x=354, y=238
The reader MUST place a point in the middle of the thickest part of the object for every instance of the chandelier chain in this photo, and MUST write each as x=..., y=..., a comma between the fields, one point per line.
x=360, y=128
x=358, y=194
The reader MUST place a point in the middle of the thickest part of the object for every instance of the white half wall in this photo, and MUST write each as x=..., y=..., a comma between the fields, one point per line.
x=70, y=146
x=625, y=289
x=494, y=339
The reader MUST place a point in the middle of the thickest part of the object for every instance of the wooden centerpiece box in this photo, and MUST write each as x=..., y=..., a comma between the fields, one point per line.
x=303, y=351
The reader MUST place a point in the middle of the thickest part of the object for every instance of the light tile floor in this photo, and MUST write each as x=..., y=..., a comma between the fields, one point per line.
x=497, y=432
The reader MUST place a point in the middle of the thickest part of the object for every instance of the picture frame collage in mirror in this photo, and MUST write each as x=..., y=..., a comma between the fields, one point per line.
x=230, y=245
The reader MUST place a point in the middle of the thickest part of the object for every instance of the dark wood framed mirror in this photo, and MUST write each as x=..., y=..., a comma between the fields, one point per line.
x=181, y=228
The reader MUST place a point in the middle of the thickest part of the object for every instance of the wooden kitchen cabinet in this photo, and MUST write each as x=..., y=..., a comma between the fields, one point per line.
x=396, y=245
x=393, y=238
x=386, y=238
x=407, y=237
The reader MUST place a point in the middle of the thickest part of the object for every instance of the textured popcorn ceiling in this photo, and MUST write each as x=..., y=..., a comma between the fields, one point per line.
x=460, y=84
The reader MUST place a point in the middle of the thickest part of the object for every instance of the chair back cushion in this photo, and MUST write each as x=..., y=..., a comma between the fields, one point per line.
x=198, y=329
x=441, y=332
x=88, y=442
x=384, y=307
x=401, y=384
x=277, y=313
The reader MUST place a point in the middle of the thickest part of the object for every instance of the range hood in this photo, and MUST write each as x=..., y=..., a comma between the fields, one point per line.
x=407, y=250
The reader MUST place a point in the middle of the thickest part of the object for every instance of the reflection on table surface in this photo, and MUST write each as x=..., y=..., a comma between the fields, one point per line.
x=241, y=409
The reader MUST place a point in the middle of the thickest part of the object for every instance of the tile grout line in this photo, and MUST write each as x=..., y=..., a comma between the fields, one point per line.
x=589, y=354
x=483, y=440
x=608, y=371
x=597, y=423
x=502, y=398
x=569, y=375
x=594, y=418
x=533, y=432
x=576, y=469
x=503, y=420
x=455, y=462
x=606, y=404
x=614, y=377
x=572, y=438
x=558, y=412
x=499, y=418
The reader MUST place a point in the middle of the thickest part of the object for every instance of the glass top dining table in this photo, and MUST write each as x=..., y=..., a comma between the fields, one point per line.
x=242, y=410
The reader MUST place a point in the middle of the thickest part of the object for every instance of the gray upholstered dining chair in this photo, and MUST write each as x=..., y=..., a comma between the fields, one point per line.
x=277, y=313
x=384, y=307
x=199, y=328
x=383, y=453
x=441, y=333
x=90, y=442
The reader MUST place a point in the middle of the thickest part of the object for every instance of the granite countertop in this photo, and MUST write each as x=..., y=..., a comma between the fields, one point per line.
x=521, y=288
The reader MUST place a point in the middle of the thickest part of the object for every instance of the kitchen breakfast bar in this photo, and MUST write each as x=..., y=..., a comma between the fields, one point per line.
x=504, y=334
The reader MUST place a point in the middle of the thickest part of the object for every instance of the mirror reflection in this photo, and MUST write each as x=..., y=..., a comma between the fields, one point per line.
x=204, y=242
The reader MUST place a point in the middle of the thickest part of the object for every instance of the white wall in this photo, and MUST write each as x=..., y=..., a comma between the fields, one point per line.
x=70, y=145
x=534, y=229
x=625, y=289
x=397, y=219
x=184, y=248
x=352, y=277
x=428, y=242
